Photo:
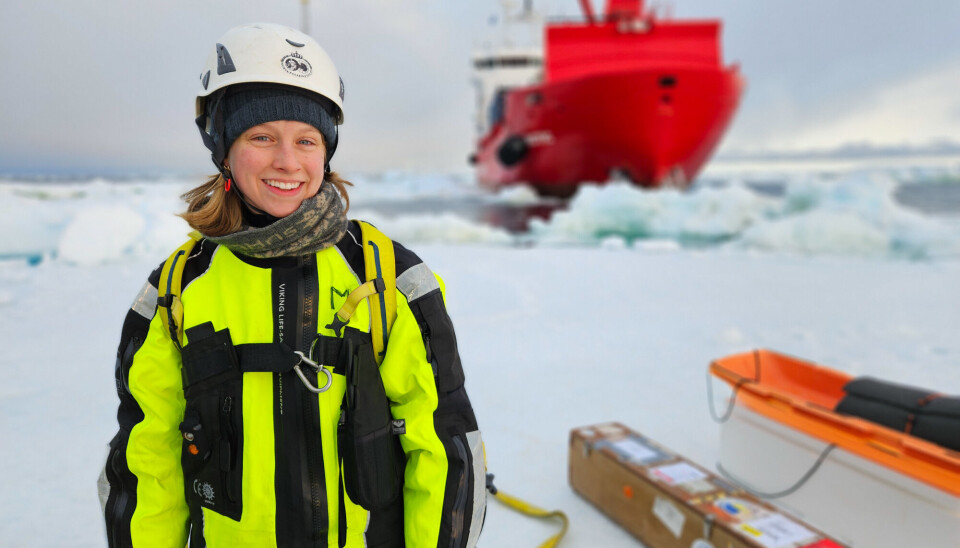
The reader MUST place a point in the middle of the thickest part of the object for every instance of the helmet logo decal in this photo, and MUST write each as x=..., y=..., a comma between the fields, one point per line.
x=296, y=65
x=224, y=62
x=341, y=89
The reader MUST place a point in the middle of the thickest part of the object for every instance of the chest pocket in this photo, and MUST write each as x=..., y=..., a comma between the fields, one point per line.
x=373, y=460
x=212, y=426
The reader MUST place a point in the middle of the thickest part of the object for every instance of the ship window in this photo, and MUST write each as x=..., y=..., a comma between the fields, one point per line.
x=507, y=62
x=497, y=107
x=668, y=81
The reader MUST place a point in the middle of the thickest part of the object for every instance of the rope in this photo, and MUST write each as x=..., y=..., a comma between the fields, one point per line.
x=788, y=491
x=530, y=510
x=730, y=403
x=736, y=390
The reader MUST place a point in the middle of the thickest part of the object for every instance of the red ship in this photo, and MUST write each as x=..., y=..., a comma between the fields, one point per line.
x=626, y=95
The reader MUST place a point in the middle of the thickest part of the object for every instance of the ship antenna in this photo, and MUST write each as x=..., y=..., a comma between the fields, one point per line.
x=305, y=16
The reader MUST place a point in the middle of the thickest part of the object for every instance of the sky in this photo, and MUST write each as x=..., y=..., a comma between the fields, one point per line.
x=108, y=86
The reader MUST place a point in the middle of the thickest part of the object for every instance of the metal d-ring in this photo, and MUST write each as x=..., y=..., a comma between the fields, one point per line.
x=317, y=368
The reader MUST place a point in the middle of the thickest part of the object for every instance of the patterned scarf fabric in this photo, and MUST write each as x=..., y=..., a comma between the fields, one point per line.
x=317, y=224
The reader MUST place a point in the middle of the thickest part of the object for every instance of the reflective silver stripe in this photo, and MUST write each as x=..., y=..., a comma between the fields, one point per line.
x=103, y=490
x=458, y=514
x=146, y=302
x=416, y=282
x=479, y=487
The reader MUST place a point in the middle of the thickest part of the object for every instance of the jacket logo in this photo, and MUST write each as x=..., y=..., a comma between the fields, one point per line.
x=296, y=65
x=205, y=490
x=335, y=291
x=281, y=307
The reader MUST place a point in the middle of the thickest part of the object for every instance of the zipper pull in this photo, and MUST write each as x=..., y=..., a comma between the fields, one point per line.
x=426, y=346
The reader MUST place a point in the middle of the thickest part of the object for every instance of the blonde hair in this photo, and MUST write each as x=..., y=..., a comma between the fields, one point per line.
x=214, y=211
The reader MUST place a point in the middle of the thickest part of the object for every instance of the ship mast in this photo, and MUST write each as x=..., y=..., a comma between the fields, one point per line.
x=587, y=8
x=527, y=16
x=305, y=16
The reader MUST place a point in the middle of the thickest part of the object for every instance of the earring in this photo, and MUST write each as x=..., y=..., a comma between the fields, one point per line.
x=226, y=187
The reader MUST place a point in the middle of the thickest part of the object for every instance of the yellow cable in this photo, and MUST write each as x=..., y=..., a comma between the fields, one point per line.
x=530, y=510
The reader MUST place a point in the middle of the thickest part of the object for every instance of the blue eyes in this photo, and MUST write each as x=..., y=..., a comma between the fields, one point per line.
x=265, y=138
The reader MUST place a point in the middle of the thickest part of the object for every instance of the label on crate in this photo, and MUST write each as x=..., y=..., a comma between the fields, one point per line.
x=633, y=449
x=677, y=473
x=669, y=515
x=738, y=509
x=776, y=531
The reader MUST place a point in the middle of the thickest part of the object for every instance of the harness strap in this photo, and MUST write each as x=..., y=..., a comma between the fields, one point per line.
x=264, y=358
x=168, y=292
x=353, y=299
x=278, y=358
x=379, y=262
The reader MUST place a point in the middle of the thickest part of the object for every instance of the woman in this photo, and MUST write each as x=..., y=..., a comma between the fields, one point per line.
x=227, y=437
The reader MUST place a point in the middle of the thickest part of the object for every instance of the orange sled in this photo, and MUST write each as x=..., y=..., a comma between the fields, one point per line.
x=868, y=484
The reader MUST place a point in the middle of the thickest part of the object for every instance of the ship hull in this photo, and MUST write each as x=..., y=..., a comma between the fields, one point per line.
x=655, y=126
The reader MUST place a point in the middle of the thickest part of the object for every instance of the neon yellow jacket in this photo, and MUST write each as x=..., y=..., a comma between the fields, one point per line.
x=277, y=482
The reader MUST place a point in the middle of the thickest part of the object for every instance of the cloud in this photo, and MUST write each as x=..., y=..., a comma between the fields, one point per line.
x=916, y=109
x=107, y=85
x=919, y=108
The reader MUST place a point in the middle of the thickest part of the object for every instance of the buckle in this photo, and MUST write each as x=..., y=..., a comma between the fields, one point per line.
x=336, y=325
x=317, y=368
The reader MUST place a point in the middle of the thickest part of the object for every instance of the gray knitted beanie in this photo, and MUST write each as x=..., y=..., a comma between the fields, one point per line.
x=248, y=106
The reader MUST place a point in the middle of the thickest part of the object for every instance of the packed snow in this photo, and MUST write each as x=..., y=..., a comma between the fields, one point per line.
x=610, y=310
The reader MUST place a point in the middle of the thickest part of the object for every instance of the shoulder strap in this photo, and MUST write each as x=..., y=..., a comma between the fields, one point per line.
x=171, y=278
x=379, y=263
x=380, y=272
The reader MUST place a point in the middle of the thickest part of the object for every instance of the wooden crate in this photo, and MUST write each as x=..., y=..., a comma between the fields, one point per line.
x=667, y=501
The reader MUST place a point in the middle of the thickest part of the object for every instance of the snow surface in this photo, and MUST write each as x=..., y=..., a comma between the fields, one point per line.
x=850, y=213
x=610, y=311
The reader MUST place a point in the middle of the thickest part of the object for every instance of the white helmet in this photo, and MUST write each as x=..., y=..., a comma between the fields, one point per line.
x=271, y=54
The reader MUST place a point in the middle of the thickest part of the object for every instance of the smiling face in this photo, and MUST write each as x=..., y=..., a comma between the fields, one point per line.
x=277, y=165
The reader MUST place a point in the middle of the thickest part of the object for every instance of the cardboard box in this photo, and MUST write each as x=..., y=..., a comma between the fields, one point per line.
x=667, y=501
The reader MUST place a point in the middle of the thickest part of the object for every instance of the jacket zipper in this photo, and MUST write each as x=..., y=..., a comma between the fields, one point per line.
x=307, y=305
x=228, y=450
x=425, y=330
